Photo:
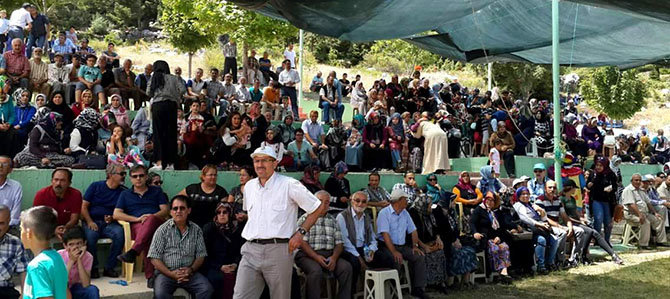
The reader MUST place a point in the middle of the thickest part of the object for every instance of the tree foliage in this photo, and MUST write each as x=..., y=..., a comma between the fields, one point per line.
x=523, y=79
x=334, y=51
x=121, y=14
x=400, y=57
x=618, y=94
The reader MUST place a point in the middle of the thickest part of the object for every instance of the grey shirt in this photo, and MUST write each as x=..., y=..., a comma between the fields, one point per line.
x=172, y=90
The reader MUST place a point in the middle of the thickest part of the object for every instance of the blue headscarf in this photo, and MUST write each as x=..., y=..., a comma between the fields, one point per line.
x=521, y=190
x=398, y=129
x=488, y=182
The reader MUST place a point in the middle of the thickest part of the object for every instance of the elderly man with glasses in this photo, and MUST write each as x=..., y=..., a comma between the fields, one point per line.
x=537, y=184
x=146, y=208
x=638, y=211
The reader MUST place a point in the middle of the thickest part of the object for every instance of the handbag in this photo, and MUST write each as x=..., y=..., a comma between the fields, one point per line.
x=618, y=213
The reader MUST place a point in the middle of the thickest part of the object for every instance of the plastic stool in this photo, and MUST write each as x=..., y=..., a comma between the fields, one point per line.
x=481, y=268
x=377, y=290
x=408, y=281
x=179, y=292
x=629, y=234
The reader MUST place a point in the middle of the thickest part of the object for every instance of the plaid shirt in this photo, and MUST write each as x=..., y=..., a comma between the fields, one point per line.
x=411, y=191
x=324, y=234
x=12, y=259
x=177, y=250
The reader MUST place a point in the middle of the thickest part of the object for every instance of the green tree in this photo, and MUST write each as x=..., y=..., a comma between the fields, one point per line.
x=400, y=57
x=618, y=94
x=523, y=79
x=334, y=51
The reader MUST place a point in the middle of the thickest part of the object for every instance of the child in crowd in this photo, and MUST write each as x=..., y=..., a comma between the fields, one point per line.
x=396, y=133
x=194, y=121
x=121, y=151
x=286, y=108
x=494, y=157
x=78, y=262
x=46, y=275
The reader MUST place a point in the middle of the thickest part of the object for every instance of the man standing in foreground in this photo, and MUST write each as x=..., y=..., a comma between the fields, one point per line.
x=272, y=202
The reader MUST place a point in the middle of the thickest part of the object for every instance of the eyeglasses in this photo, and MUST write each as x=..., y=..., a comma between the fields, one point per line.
x=137, y=176
x=158, y=183
x=222, y=212
x=5, y=164
x=122, y=173
x=360, y=201
x=432, y=180
x=179, y=208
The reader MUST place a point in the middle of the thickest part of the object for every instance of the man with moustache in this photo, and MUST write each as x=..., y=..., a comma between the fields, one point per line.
x=62, y=198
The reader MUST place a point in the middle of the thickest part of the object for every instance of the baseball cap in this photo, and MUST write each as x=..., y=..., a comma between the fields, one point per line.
x=524, y=178
x=516, y=182
x=539, y=166
x=398, y=194
x=264, y=151
x=647, y=178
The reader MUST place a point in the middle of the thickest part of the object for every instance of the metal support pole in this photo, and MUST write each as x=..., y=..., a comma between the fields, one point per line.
x=302, y=58
x=555, y=72
x=490, y=83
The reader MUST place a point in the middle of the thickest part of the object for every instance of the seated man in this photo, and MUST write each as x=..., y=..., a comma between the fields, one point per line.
x=301, y=151
x=39, y=73
x=124, y=79
x=537, y=184
x=58, y=74
x=317, y=83
x=358, y=234
x=270, y=101
x=12, y=256
x=321, y=252
x=89, y=78
x=555, y=210
x=409, y=186
x=11, y=194
x=196, y=89
x=18, y=66
x=177, y=252
x=143, y=79
x=377, y=195
x=393, y=225
x=145, y=207
x=83, y=51
x=649, y=184
x=62, y=198
x=314, y=131
x=331, y=99
x=73, y=76
x=346, y=85
x=96, y=210
x=78, y=263
x=214, y=88
x=638, y=211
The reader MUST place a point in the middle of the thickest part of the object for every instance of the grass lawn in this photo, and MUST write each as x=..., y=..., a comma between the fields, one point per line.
x=647, y=279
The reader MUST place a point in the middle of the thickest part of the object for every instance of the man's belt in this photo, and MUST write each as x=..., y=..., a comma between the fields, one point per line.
x=269, y=241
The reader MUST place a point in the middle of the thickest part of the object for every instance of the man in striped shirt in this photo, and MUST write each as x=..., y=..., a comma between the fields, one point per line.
x=177, y=252
x=553, y=206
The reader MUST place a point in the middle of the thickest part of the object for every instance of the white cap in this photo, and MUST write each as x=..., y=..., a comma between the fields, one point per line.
x=517, y=181
x=524, y=178
x=648, y=178
x=397, y=194
x=264, y=151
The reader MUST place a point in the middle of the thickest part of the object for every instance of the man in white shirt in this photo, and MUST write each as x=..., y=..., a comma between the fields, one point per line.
x=272, y=234
x=243, y=98
x=19, y=21
x=290, y=55
x=638, y=211
x=288, y=78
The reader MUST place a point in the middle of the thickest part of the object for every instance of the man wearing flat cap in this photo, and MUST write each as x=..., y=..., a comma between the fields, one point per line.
x=271, y=201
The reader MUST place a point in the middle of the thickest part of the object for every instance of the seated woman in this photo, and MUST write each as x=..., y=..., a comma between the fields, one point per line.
x=286, y=131
x=84, y=136
x=576, y=144
x=23, y=113
x=535, y=219
x=487, y=229
x=338, y=186
x=223, y=240
x=336, y=139
x=46, y=147
x=433, y=190
x=375, y=150
x=310, y=178
x=489, y=183
x=353, y=151
x=236, y=196
x=592, y=135
x=430, y=242
x=396, y=135
x=205, y=195
x=233, y=147
x=273, y=141
x=86, y=102
x=57, y=104
x=196, y=141
x=119, y=151
x=40, y=100
x=120, y=113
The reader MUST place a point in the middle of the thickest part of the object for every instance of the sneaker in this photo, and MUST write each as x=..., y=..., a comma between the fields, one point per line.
x=128, y=257
x=542, y=271
x=110, y=273
x=95, y=273
x=617, y=260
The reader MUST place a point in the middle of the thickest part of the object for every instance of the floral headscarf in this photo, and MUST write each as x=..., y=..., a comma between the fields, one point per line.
x=492, y=216
x=87, y=119
x=421, y=206
x=16, y=95
x=49, y=122
x=41, y=112
x=309, y=177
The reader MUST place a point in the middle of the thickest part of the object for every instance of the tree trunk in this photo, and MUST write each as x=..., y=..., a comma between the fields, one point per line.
x=190, y=60
x=245, y=57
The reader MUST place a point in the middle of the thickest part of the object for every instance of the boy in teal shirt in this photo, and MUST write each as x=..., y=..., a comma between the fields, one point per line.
x=47, y=275
x=90, y=77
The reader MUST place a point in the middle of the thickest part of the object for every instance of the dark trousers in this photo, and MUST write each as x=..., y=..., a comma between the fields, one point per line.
x=356, y=266
x=143, y=233
x=197, y=285
x=417, y=264
x=78, y=291
x=9, y=293
x=10, y=142
x=291, y=93
x=508, y=158
x=164, y=122
x=314, y=274
x=113, y=231
x=223, y=283
x=269, y=75
x=230, y=66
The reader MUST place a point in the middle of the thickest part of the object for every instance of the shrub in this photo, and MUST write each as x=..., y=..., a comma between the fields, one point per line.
x=100, y=26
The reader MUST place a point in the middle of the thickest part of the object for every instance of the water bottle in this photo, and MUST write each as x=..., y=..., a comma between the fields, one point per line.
x=367, y=253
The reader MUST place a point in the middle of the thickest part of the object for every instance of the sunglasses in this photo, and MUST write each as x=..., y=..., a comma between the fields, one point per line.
x=158, y=183
x=432, y=180
x=122, y=173
x=360, y=201
x=179, y=208
x=223, y=212
x=137, y=176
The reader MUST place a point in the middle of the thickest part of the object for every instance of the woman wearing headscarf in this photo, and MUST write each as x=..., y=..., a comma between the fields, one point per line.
x=534, y=219
x=375, y=148
x=433, y=189
x=353, y=151
x=435, y=145
x=84, y=136
x=286, y=131
x=259, y=124
x=602, y=188
x=359, y=99
x=543, y=133
x=9, y=145
x=338, y=186
x=57, y=104
x=488, y=182
x=223, y=240
x=273, y=141
x=467, y=193
x=310, y=178
x=430, y=242
x=46, y=147
x=396, y=135
x=592, y=135
x=120, y=112
x=486, y=228
x=23, y=113
x=166, y=91
x=336, y=140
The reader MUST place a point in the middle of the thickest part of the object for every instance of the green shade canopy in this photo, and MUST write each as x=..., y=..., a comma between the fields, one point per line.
x=593, y=32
